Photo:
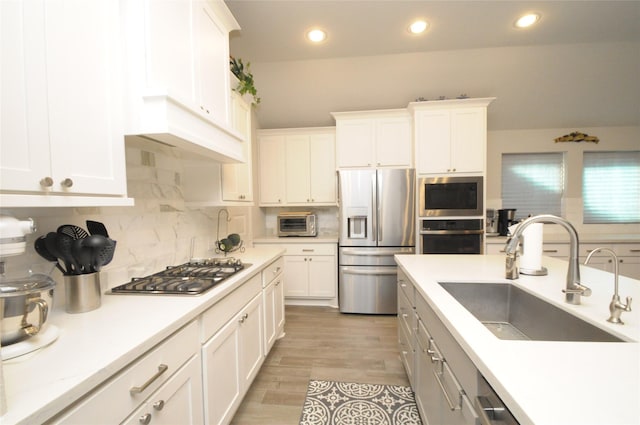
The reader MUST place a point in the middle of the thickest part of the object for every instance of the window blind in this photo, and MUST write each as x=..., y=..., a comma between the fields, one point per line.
x=533, y=183
x=611, y=187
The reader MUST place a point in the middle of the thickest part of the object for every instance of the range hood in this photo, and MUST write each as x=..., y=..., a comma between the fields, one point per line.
x=164, y=119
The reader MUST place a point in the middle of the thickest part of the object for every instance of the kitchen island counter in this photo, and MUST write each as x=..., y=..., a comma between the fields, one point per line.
x=95, y=345
x=543, y=382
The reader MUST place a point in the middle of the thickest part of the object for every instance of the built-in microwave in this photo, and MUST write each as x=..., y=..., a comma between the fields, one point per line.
x=297, y=224
x=451, y=196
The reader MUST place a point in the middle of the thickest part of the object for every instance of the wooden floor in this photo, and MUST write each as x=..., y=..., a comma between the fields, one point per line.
x=320, y=343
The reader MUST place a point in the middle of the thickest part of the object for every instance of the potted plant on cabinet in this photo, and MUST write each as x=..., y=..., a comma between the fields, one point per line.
x=245, y=78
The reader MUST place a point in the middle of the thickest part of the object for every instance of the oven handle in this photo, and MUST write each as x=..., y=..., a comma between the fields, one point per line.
x=451, y=232
x=358, y=270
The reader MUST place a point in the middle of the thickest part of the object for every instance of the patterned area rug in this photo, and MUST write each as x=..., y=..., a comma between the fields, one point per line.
x=347, y=403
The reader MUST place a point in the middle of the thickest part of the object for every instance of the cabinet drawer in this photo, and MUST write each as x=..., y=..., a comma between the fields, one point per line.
x=627, y=249
x=555, y=249
x=272, y=271
x=115, y=400
x=311, y=249
x=406, y=315
x=221, y=312
x=454, y=354
x=407, y=288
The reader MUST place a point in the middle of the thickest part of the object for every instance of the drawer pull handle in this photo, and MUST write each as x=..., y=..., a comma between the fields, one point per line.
x=446, y=395
x=308, y=250
x=145, y=419
x=161, y=369
x=243, y=318
x=634, y=250
x=158, y=405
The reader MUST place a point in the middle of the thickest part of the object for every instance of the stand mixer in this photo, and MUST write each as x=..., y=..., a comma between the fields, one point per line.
x=26, y=298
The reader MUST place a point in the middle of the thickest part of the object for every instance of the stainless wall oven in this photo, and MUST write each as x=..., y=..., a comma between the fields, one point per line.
x=451, y=196
x=463, y=236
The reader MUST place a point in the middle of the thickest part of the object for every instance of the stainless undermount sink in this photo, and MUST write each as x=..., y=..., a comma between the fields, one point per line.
x=514, y=314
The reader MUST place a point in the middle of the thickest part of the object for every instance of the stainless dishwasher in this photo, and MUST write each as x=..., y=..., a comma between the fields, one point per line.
x=490, y=408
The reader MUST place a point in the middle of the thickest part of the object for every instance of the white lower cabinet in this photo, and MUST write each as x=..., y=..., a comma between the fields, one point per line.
x=231, y=354
x=168, y=376
x=177, y=401
x=310, y=272
x=443, y=378
x=273, y=299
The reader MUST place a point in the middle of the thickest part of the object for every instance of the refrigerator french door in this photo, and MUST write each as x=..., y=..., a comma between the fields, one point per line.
x=377, y=211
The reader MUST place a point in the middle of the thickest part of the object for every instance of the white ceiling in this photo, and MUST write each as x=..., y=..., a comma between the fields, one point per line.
x=362, y=32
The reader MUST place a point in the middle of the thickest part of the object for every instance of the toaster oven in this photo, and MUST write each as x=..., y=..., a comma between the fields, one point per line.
x=297, y=224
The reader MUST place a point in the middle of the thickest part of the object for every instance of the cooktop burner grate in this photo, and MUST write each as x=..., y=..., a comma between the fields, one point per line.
x=192, y=278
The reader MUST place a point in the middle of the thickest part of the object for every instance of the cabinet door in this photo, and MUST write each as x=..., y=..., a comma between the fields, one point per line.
x=179, y=400
x=251, y=347
x=169, y=48
x=272, y=170
x=269, y=310
x=221, y=374
x=212, y=51
x=24, y=129
x=322, y=276
x=297, y=169
x=279, y=306
x=355, y=143
x=84, y=79
x=322, y=157
x=237, y=181
x=393, y=142
x=78, y=78
x=468, y=140
x=433, y=142
x=296, y=276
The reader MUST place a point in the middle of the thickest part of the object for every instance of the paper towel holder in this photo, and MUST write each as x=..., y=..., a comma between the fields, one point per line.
x=542, y=271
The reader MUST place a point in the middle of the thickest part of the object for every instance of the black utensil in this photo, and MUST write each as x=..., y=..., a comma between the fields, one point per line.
x=105, y=255
x=83, y=256
x=95, y=244
x=41, y=248
x=51, y=242
x=64, y=244
x=97, y=228
x=74, y=232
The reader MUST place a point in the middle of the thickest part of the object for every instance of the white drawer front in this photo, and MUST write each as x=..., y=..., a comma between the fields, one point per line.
x=272, y=271
x=221, y=312
x=113, y=402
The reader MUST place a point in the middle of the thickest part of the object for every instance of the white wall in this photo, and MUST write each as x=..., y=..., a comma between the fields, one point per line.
x=156, y=232
x=542, y=140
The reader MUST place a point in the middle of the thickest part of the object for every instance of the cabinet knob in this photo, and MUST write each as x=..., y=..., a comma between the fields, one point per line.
x=158, y=405
x=145, y=419
x=66, y=183
x=46, y=182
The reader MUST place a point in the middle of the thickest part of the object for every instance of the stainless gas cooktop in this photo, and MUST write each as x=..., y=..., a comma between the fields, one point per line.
x=192, y=278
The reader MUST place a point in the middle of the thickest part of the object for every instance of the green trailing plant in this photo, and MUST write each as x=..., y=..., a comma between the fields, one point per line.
x=245, y=78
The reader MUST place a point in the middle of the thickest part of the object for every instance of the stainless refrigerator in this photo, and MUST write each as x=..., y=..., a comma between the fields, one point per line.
x=377, y=220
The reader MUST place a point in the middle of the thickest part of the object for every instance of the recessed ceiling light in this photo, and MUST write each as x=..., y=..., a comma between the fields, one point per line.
x=527, y=20
x=418, y=27
x=316, y=35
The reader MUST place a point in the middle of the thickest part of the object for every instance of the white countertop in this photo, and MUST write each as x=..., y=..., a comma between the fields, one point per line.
x=595, y=238
x=543, y=382
x=93, y=346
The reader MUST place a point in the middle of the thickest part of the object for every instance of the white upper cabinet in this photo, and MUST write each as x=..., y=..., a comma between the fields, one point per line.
x=373, y=138
x=451, y=136
x=177, y=65
x=237, y=179
x=297, y=166
x=61, y=115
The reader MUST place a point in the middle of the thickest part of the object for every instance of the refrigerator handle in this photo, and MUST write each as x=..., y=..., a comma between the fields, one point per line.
x=374, y=206
x=379, y=208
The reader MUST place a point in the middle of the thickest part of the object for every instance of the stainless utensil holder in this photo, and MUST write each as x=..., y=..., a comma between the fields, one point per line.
x=82, y=292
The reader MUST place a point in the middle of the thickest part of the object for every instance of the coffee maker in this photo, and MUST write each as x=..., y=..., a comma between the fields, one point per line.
x=492, y=222
x=506, y=217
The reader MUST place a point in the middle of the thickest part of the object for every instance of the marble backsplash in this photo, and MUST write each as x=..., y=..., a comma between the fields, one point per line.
x=160, y=230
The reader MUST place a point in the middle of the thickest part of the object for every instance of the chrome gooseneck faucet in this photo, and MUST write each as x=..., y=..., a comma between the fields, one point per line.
x=615, y=306
x=573, y=288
